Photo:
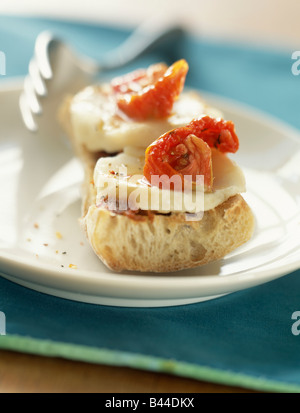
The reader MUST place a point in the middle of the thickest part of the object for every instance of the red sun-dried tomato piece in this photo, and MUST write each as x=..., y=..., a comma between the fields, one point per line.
x=187, y=150
x=151, y=94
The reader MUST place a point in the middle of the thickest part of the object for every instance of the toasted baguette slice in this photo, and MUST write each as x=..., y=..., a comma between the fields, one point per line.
x=157, y=242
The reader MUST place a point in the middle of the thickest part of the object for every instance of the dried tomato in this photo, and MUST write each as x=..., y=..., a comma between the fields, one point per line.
x=150, y=94
x=187, y=150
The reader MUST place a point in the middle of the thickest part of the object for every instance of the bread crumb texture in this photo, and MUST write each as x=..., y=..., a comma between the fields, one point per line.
x=168, y=243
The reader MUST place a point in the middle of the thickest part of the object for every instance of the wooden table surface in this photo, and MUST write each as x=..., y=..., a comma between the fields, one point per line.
x=25, y=373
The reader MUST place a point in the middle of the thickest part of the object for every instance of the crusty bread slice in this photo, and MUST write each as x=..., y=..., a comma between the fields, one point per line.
x=167, y=243
x=157, y=242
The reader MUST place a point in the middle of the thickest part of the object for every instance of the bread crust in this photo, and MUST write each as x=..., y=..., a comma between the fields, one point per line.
x=159, y=242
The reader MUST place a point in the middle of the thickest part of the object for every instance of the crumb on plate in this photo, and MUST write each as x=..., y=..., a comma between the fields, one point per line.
x=58, y=235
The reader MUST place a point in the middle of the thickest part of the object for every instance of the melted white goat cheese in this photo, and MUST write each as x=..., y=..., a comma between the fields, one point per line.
x=119, y=179
x=101, y=126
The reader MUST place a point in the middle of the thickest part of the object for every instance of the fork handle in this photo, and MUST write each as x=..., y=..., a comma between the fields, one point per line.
x=138, y=43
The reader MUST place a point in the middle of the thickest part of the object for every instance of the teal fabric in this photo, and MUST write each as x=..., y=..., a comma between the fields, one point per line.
x=243, y=338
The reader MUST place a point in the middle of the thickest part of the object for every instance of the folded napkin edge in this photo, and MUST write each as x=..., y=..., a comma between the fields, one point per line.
x=78, y=352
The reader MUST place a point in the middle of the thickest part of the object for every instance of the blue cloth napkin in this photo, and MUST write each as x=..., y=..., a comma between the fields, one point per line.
x=242, y=339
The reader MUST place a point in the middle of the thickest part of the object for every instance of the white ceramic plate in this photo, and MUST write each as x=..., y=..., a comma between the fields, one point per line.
x=40, y=205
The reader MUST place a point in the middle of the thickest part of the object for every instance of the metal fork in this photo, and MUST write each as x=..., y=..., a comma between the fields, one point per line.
x=55, y=70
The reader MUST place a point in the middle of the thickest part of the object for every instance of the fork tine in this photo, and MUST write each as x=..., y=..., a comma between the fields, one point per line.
x=26, y=113
x=42, y=54
x=36, y=77
x=32, y=99
x=39, y=71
